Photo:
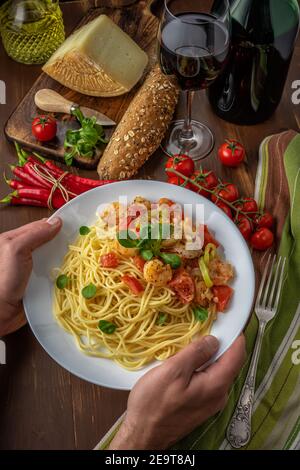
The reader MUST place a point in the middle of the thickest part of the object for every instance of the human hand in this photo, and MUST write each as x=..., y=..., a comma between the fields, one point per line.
x=16, y=265
x=171, y=400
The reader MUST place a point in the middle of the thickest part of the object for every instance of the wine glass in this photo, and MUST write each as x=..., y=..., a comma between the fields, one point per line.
x=193, y=44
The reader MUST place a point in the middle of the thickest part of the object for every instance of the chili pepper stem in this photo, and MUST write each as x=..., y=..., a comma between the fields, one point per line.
x=7, y=199
x=188, y=180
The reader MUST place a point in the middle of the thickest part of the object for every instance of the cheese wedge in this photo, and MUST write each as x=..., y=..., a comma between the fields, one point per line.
x=99, y=59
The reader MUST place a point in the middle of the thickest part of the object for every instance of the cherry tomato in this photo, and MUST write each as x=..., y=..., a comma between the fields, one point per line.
x=264, y=220
x=178, y=181
x=44, y=128
x=262, y=239
x=224, y=208
x=133, y=283
x=181, y=163
x=183, y=285
x=208, y=238
x=204, y=178
x=245, y=226
x=232, y=153
x=223, y=294
x=139, y=262
x=109, y=260
x=248, y=205
x=226, y=191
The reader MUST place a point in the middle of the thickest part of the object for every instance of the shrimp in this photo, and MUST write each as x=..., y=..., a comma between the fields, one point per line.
x=180, y=249
x=220, y=272
x=203, y=295
x=157, y=273
x=127, y=252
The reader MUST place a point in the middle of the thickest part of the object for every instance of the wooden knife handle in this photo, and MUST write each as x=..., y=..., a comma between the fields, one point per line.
x=49, y=100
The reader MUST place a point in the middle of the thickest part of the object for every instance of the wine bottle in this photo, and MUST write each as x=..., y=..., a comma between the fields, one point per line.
x=263, y=39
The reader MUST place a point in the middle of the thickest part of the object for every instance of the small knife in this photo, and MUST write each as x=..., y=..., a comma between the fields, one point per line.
x=53, y=102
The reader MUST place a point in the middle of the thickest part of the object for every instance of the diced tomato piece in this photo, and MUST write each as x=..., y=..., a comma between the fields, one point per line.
x=208, y=238
x=166, y=201
x=224, y=294
x=133, y=283
x=139, y=262
x=183, y=285
x=110, y=260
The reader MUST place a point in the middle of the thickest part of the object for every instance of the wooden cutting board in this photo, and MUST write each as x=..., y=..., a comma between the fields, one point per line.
x=137, y=22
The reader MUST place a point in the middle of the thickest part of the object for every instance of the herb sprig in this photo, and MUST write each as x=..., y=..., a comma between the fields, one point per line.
x=84, y=141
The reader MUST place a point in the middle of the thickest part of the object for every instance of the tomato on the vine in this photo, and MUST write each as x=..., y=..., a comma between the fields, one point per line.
x=205, y=178
x=232, y=153
x=44, y=128
x=264, y=220
x=181, y=163
x=225, y=208
x=248, y=205
x=245, y=226
x=226, y=191
x=262, y=239
x=178, y=181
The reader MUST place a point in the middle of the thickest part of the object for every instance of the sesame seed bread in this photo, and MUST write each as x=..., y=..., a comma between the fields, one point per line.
x=142, y=127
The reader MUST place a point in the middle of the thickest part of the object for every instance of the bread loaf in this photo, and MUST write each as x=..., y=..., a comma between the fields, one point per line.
x=142, y=127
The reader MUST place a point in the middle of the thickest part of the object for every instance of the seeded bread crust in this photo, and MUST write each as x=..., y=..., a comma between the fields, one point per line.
x=142, y=127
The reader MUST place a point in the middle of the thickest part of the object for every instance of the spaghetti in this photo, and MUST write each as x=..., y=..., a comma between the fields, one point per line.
x=152, y=325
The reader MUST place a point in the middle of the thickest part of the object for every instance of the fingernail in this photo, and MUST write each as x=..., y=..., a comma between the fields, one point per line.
x=211, y=343
x=53, y=221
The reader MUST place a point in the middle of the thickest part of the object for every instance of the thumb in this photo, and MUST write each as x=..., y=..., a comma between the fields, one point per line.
x=38, y=233
x=195, y=355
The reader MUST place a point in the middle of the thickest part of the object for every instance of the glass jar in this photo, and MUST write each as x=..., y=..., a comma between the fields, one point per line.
x=31, y=30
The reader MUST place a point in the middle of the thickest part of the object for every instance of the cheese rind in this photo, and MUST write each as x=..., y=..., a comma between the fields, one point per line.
x=99, y=59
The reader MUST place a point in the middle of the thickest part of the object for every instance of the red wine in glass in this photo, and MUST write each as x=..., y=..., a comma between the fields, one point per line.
x=193, y=46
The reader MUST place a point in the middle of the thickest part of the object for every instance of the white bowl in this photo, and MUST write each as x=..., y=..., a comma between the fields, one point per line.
x=82, y=211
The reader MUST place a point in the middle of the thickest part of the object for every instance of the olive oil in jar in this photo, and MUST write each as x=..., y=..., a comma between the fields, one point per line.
x=31, y=30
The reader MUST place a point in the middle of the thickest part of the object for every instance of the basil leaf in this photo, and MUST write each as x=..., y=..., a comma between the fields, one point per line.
x=161, y=319
x=62, y=281
x=84, y=230
x=201, y=314
x=147, y=255
x=127, y=239
x=173, y=260
x=89, y=291
x=107, y=327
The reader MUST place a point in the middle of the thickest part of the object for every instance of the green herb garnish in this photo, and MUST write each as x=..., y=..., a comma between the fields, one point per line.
x=89, y=291
x=161, y=319
x=84, y=141
x=147, y=255
x=62, y=281
x=173, y=260
x=107, y=327
x=84, y=230
x=147, y=246
x=201, y=314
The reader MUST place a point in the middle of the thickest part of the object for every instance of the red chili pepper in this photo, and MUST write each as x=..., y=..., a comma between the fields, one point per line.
x=29, y=168
x=78, y=179
x=25, y=177
x=42, y=195
x=15, y=184
x=17, y=201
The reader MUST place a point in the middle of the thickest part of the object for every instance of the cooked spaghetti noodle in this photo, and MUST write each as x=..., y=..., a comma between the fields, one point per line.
x=139, y=336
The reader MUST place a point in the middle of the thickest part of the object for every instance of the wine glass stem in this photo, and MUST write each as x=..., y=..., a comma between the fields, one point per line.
x=187, y=130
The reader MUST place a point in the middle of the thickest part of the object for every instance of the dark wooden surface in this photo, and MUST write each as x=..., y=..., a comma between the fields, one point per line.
x=141, y=25
x=42, y=406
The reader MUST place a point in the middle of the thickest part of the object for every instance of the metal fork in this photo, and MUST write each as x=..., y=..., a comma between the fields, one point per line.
x=266, y=306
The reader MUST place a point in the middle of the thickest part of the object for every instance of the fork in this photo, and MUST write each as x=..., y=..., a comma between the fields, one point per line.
x=266, y=306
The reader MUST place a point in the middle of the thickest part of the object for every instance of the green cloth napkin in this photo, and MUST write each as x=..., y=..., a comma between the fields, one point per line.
x=276, y=418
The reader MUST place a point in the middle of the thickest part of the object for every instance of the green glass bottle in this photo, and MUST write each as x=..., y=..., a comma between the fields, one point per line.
x=263, y=39
x=31, y=30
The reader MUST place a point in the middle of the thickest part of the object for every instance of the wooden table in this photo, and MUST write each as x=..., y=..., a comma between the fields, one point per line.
x=42, y=406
